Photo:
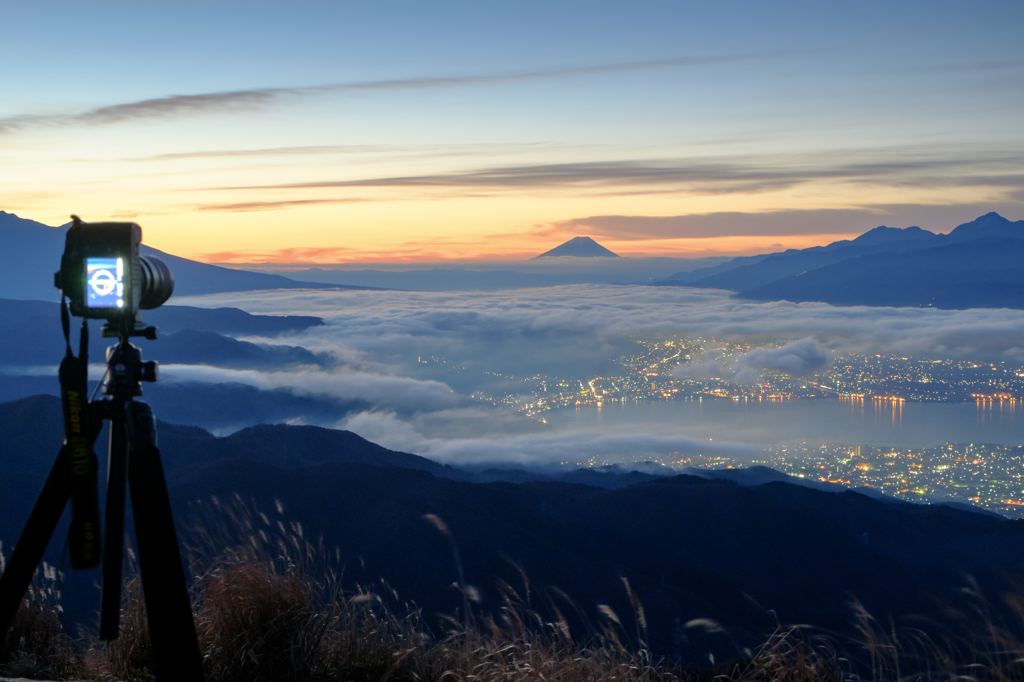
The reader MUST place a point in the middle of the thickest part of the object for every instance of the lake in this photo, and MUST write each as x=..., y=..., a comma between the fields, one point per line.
x=826, y=420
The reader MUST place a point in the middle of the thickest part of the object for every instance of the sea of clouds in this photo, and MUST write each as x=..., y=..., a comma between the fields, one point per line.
x=419, y=360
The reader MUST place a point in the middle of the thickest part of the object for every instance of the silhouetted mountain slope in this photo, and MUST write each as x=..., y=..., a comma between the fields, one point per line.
x=690, y=547
x=581, y=247
x=953, y=504
x=34, y=425
x=881, y=236
x=777, y=266
x=192, y=278
x=32, y=252
x=232, y=321
x=222, y=407
x=686, y=277
x=31, y=334
x=171, y=318
x=33, y=428
x=989, y=226
x=29, y=257
x=983, y=273
x=975, y=265
x=185, y=347
x=295, y=447
x=609, y=477
x=31, y=434
x=887, y=235
x=759, y=475
x=206, y=348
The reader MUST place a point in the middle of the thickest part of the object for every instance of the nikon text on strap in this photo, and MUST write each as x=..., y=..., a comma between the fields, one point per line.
x=84, y=535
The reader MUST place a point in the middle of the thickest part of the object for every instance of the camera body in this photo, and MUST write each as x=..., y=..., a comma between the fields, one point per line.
x=103, y=275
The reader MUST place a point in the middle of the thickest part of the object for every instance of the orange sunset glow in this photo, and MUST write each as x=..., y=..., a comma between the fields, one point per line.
x=394, y=150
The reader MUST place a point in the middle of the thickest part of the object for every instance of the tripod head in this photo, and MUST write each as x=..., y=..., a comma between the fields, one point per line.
x=125, y=368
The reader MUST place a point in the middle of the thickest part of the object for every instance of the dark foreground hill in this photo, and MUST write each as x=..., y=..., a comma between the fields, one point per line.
x=690, y=547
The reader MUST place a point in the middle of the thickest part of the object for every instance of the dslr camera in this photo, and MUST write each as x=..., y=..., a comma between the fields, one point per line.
x=103, y=275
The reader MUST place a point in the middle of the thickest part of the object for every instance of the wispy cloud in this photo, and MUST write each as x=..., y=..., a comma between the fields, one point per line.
x=548, y=446
x=249, y=206
x=392, y=392
x=174, y=106
x=854, y=221
x=794, y=358
x=576, y=324
x=432, y=150
x=723, y=224
x=900, y=167
x=798, y=357
x=270, y=151
x=585, y=174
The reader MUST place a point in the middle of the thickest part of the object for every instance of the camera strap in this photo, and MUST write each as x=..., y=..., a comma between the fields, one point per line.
x=84, y=534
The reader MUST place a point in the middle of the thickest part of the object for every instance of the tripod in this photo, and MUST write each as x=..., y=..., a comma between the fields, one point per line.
x=133, y=456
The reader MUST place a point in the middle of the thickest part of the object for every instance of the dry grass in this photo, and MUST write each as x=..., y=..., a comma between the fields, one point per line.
x=36, y=646
x=131, y=655
x=256, y=626
x=271, y=607
x=370, y=641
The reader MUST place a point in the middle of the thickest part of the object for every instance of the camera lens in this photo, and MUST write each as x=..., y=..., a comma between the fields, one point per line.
x=157, y=283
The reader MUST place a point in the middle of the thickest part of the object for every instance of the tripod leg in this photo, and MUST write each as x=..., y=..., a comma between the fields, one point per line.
x=169, y=610
x=29, y=551
x=113, y=550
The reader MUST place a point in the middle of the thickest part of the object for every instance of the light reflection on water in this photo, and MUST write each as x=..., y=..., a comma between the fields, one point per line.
x=827, y=420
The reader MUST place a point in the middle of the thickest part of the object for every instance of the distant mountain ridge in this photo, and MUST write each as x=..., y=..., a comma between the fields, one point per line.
x=983, y=273
x=579, y=247
x=31, y=254
x=989, y=226
x=891, y=235
x=978, y=264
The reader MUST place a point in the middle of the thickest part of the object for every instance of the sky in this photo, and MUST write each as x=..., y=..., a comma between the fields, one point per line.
x=340, y=132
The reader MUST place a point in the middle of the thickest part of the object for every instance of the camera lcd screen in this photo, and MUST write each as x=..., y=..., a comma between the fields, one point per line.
x=104, y=286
